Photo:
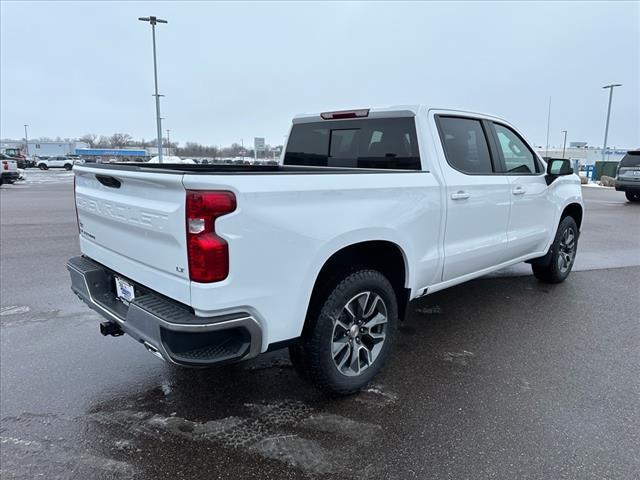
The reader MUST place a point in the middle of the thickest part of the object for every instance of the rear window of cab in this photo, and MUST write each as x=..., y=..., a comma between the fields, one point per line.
x=388, y=143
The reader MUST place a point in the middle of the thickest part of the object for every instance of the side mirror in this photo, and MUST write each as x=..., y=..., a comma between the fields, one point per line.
x=557, y=167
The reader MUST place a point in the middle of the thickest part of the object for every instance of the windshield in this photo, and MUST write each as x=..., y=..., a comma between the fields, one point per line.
x=388, y=143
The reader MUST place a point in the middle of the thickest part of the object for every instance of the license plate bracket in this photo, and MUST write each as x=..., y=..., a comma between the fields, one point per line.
x=124, y=291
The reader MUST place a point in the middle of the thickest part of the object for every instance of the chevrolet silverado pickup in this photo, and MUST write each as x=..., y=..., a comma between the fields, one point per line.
x=369, y=209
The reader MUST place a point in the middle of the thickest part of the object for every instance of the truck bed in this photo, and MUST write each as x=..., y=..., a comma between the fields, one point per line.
x=226, y=169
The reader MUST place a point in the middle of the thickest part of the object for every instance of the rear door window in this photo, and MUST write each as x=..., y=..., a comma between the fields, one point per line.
x=388, y=143
x=465, y=145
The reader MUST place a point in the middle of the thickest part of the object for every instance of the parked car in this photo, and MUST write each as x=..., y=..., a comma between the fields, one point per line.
x=628, y=175
x=204, y=264
x=44, y=163
x=9, y=172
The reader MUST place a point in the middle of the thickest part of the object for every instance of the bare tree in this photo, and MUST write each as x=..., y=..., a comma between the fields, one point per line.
x=103, y=141
x=89, y=138
x=119, y=140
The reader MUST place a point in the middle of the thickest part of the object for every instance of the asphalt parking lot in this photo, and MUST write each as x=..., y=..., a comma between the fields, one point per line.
x=503, y=377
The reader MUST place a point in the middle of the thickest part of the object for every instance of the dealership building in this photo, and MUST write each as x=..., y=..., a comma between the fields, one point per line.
x=586, y=155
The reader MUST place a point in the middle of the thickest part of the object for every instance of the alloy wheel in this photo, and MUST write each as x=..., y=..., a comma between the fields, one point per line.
x=567, y=250
x=359, y=333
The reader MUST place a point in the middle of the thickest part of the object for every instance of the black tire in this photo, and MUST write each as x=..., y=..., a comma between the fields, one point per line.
x=562, y=254
x=42, y=166
x=68, y=166
x=632, y=196
x=361, y=355
x=1, y=180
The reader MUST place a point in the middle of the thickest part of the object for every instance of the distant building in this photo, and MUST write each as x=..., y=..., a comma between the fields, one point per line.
x=587, y=156
x=578, y=144
x=106, y=154
x=46, y=149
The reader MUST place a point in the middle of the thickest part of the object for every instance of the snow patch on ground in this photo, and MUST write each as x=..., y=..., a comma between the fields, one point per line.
x=13, y=310
x=594, y=185
x=38, y=177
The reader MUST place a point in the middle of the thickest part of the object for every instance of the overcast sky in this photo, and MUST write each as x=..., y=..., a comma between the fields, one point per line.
x=239, y=70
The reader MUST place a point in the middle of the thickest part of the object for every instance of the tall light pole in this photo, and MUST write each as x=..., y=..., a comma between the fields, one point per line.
x=564, y=142
x=153, y=21
x=168, y=142
x=548, y=125
x=606, y=128
x=26, y=140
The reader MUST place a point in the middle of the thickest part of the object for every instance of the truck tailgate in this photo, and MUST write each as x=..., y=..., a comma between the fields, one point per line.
x=134, y=223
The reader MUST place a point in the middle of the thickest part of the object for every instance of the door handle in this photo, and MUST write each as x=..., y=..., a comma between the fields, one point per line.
x=518, y=191
x=460, y=195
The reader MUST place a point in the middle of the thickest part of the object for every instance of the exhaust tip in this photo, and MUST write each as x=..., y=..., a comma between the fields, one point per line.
x=110, y=328
x=153, y=350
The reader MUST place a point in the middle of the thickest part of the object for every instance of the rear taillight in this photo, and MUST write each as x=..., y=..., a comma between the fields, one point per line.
x=5, y=165
x=208, y=253
x=75, y=203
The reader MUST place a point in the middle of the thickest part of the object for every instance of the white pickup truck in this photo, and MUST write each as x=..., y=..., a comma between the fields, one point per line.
x=371, y=208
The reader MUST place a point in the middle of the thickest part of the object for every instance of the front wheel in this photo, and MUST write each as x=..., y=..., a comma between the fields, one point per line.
x=632, y=196
x=350, y=333
x=42, y=166
x=563, y=254
x=68, y=166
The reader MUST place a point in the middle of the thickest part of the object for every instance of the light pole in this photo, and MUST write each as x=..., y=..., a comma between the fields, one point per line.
x=564, y=142
x=168, y=142
x=548, y=125
x=606, y=128
x=242, y=148
x=153, y=21
x=26, y=140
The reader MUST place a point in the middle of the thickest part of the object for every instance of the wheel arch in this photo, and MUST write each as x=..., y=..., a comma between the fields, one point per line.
x=574, y=210
x=384, y=256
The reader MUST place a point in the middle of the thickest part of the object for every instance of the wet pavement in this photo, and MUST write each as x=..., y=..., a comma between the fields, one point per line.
x=503, y=377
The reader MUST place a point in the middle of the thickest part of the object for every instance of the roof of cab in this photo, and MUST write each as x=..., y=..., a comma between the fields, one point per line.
x=395, y=111
x=376, y=112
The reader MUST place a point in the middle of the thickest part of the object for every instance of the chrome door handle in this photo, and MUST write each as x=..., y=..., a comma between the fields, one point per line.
x=460, y=195
x=518, y=191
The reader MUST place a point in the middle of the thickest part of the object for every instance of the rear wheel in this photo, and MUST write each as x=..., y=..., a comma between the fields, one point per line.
x=633, y=195
x=349, y=334
x=563, y=254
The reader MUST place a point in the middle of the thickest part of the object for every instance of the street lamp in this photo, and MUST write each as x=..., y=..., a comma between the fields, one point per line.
x=168, y=142
x=153, y=21
x=26, y=141
x=564, y=143
x=606, y=128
